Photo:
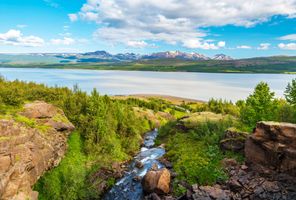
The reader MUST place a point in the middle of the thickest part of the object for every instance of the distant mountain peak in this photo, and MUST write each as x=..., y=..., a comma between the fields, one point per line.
x=222, y=57
x=105, y=56
x=176, y=54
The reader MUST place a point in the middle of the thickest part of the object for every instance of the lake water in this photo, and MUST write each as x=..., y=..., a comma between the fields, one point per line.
x=201, y=86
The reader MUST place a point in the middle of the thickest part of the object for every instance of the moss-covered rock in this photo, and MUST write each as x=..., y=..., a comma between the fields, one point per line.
x=233, y=140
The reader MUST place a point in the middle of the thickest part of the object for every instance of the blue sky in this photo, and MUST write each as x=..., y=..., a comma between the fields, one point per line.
x=239, y=28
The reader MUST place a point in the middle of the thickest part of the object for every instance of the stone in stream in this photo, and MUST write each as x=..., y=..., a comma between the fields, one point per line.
x=157, y=181
x=139, y=164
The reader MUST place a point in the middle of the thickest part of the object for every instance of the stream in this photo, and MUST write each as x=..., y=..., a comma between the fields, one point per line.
x=127, y=188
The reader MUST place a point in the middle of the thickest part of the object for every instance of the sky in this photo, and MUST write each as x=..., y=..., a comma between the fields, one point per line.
x=239, y=28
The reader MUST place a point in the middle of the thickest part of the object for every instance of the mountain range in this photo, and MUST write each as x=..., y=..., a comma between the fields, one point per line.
x=103, y=55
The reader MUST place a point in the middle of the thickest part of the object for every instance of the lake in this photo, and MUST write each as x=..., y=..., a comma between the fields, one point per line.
x=201, y=86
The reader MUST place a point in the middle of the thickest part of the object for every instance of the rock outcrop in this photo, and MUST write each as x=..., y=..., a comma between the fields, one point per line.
x=273, y=145
x=32, y=142
x=157, y=181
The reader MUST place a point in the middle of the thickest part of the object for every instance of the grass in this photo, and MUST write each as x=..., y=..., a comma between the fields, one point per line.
x=24, y=120
x=60, y=118
x=195, y=151
x=54, y=185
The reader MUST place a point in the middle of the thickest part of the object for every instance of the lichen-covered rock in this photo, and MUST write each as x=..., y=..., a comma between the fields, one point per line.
x=30, y=145
x=273, y=145
x=157, y=181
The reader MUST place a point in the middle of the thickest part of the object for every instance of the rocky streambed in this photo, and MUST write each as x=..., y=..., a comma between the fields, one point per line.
x=129, y=186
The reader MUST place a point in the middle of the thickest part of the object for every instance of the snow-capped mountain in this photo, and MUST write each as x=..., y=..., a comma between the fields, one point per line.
x=222, y=57
x=102, y=56
x=176, y=54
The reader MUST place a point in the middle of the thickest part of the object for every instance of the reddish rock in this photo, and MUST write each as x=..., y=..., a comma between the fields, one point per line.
x=273, y=145
x=27, y=152
x=157, y=181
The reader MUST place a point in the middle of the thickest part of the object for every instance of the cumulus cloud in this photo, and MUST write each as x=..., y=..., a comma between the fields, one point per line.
x=244, y=47
x=289, y=46
x=16, y=38
x=264, y=46
x=176, y=22
x=291, y=37
x=137, y=44
x=64, y=41
x=199, y=44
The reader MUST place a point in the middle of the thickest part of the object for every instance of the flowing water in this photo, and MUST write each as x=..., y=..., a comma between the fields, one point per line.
x=127, y=188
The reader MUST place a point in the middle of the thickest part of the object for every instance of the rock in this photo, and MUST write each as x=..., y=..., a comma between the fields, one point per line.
x=26, y=152
x=210, y=192
x=233, y=140
x=244, y=167
x=154, y=167
x=273, y=145
x=157, y=181
x=152, y=196
x=228, y=163
x=234, y=185
x=139, y=164
x=40, y=110
x=137, y=178
x=165, y=162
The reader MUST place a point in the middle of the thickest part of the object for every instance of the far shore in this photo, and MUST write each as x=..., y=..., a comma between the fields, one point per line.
x=172, y=99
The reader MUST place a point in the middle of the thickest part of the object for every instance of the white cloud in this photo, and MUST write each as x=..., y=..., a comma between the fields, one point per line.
x=137, y=44
x=264, y=46
x=244, y=47
x=221, y=44
x=199, y=44
x=73, y=17
x=64, y=41
x=289, y=46
x=176, y=22
x=16, y=38
x=291, y=37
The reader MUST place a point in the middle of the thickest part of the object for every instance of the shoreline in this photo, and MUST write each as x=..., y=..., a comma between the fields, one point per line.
x=105, y=68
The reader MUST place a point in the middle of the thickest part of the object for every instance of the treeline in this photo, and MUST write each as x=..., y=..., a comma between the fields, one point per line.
x=107, y=131
x=261, y=105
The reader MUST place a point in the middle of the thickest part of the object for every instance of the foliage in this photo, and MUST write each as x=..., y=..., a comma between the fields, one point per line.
x=67, y=180
x=110, y=131
x=195, y=153
x=259, y=106
x=216, y=106
x=290, y=93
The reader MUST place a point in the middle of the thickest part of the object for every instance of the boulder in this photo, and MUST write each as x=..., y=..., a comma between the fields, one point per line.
x=233, y=140
x=47, y=114
x=273, y=145
x=157, y=181
x=29, y=150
